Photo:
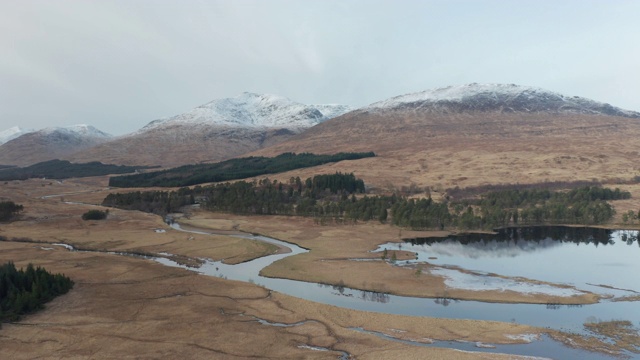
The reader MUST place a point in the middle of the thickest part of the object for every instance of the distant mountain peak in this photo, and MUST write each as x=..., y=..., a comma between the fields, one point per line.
x=498, y=97
x=252, y=110
x=50, y=143
x=12, y=133
x=78, y=130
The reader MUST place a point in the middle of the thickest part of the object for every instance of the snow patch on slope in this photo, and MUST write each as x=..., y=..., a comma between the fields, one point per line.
x=80, y=130
x=12, y=133
x=250, y=110
x=505, y=97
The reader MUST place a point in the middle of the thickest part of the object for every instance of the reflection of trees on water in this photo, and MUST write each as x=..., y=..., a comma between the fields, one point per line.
x=444, y=301
x=630, y=237
x=552, y=306
x=539, y=235
x=374, y=296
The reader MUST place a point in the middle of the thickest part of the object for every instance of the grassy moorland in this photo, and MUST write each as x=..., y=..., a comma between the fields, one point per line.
x=137, y=301
x=130, y=295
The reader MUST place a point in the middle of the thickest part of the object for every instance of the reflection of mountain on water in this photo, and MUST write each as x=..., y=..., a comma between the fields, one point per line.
x=511, y=242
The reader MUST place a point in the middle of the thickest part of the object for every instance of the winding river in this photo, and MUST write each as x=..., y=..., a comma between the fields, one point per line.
x=558, y=317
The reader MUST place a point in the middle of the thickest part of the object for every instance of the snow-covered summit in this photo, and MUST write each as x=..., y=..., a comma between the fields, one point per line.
x=250, y=110
x=12, y=133
x=498, y=97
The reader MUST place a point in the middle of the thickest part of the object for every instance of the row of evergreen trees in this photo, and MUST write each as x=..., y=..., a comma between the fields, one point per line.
x=9, y=209
x=63, y=169
x=233, y=169
x=157, y=202
x=585, y=205
x=25, y=291
x=332, y=197
x=322, y=195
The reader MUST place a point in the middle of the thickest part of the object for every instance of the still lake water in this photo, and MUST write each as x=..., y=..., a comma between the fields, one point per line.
x=581, y=257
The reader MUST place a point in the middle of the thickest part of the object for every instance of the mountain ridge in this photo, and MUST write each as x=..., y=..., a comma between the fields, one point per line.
x=498, y=97
x=251, y=110
x=50, y=143
x=230, y=127
x=218, y=130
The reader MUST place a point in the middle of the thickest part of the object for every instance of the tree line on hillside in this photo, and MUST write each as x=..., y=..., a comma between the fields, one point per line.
x=9, y=209
x=27, y=290
x=234, y=169
x=62, y=169
x=333, y=198
x=476, y=191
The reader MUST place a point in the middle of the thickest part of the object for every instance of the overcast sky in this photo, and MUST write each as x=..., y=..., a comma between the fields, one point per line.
x=118, y=65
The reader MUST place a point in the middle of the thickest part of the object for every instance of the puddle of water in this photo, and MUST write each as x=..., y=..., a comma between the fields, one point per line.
x=539, y=348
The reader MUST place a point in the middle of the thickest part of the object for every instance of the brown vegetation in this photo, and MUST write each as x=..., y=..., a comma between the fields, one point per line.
x=121, y=306
x=444, y=151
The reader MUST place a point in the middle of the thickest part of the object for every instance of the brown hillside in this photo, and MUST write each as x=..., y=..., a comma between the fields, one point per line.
x=473, y=148
x=36, y=147
x=181, y=145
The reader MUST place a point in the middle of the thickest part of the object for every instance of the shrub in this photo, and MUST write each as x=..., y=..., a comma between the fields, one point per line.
x=94, y=215
x=9, y=209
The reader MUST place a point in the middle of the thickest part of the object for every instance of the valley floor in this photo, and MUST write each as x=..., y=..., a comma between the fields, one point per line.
x=130, y=307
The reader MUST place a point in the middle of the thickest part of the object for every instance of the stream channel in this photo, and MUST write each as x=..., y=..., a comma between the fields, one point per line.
x=619, y=263
x=521, y=253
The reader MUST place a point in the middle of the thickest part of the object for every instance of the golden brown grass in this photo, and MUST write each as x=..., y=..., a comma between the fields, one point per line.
x=442, y=151
x=610, y=337
x=622, y=332
x=127, y=307
x=122, y=307
x=51, y=220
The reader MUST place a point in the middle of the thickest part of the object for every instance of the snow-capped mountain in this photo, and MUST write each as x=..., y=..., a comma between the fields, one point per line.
x=415, y=128
x=50, y=143
x=250, y=110
x=498, y=97
x=218, y=130
x=13, y=133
